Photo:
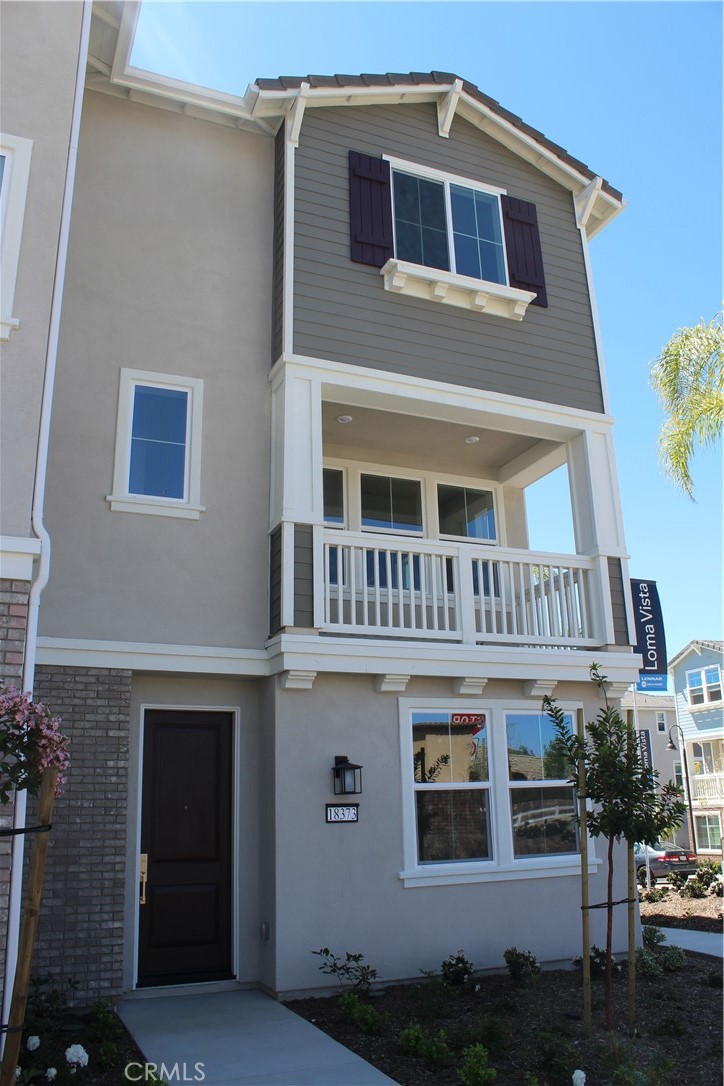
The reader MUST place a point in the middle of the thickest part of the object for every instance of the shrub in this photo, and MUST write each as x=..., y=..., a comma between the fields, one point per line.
x=652, y=936
x=678, y=879
x=557, y=1059
x=522, y=964
x=415, y=1042
x=708, y=871
x=625, y=1066
x=348, y=1003
x=694, y=888
x=672, y=958
x=363, y=1015
x=647, y=963
x=598, y=960
x=353, y=970
x=475, y=1070
x=456, y=970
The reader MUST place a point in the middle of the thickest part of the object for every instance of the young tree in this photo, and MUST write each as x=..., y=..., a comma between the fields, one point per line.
x=688, y=376
x=625, y=802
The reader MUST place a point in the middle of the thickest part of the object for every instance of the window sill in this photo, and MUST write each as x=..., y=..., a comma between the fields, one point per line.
x=156, y=507
x=8, y=325
x=457, y=874
x=417, y=281
x=704, y=705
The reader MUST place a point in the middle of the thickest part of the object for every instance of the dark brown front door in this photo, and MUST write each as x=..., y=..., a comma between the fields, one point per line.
x=185, y=922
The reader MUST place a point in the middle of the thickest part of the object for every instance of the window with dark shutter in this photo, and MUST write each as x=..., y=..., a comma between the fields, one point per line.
x=370, y=206
x=522, y=244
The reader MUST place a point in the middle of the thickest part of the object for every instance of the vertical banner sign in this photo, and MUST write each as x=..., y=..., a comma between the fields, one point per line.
x=645, y=748
x=650, y=638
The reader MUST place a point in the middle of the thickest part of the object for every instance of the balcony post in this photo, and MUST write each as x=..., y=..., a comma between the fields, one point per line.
x=465, y=599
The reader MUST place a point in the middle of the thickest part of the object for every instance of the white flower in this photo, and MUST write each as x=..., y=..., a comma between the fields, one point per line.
x=579, y=1078
x=77, y=1055
x=33, y=1043
x=50, y=1074
x=18, y=1072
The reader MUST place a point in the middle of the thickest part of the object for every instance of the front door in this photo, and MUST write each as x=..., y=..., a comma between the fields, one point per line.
x=185, y=892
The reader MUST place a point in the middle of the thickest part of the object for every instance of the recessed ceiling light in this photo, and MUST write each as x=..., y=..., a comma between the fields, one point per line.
x=472, y=440
x=344, y=419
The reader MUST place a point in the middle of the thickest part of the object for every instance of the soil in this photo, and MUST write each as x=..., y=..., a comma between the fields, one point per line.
x=675, y=911
x=537, y=1030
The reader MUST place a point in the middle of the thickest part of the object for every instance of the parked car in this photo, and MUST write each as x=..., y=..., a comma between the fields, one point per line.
x=664, y=859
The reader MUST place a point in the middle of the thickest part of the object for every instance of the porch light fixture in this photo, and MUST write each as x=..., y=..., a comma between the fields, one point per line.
x=344, y=419
x=347, y=776
x=472, y=440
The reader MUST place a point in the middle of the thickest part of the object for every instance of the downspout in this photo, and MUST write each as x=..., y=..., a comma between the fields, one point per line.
x=41, y=463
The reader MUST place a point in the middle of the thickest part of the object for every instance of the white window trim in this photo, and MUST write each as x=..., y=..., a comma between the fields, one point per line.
x=121, y=500
x=503, y=867
x=704, y=688
x=16, y=174
x=428, y=481
x=451, y=288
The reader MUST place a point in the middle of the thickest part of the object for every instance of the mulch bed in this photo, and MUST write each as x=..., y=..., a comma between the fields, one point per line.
x=675, y=911
x=538, y=1029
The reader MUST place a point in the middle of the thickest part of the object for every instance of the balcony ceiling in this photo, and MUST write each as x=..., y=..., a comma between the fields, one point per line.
x=385, y=437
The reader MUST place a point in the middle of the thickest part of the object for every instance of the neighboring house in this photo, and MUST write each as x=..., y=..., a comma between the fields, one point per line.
x=654, y=716
x=271, y=549
x=696, y=673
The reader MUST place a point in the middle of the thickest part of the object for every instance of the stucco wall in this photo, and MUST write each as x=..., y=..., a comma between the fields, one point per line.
x=169, y=272
x=40, y=39
x=338, y=885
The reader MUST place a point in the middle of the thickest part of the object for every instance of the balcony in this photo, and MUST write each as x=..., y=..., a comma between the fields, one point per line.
x=708, y=788
x=380, y=586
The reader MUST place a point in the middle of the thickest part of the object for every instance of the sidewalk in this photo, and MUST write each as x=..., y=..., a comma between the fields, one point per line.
x=241, y=1038
x=704, y=942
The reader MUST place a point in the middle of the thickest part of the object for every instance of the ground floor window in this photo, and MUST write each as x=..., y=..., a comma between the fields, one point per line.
x=485, y=788
x=708, y=832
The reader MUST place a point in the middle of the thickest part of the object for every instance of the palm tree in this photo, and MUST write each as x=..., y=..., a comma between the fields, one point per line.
x=688, y=376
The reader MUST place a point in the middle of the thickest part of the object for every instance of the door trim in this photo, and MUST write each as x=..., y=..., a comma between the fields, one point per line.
x=235, y=712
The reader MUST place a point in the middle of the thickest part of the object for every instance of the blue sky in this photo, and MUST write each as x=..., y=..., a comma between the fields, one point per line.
x=632, y=89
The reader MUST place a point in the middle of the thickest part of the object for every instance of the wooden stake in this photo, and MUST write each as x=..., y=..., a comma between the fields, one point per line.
x=28, y=930
x=631, y=935
x=585, y=913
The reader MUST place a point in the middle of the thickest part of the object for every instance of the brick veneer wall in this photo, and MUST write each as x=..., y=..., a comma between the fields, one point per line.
x=80, y=933
x=13, y=624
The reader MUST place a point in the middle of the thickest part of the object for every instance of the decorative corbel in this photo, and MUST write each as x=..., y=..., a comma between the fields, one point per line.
x=585, y=200
x=296, y=113
x=446, y=108
x=391, y=684
x=473, y=687
x=539, y=688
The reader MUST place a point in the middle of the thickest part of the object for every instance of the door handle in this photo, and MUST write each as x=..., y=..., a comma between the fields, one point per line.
x=143, y=869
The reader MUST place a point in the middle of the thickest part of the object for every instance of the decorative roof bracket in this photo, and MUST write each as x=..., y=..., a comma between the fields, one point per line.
x=296, y=113
x=446, y=108
x=585, y=200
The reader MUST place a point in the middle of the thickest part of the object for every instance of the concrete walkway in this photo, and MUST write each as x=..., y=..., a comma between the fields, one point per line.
x=242, y=1038
x=704, y=942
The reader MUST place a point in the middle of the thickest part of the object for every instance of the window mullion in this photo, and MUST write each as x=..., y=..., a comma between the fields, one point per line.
x=449, y=225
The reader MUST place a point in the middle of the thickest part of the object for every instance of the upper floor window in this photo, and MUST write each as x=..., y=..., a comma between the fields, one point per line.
x=704, y=685
x=445, y=238
x=444, y=225
x=465, y=512
x=661, y=722
x=158, y=445
x=391, y=504
x=15, y=152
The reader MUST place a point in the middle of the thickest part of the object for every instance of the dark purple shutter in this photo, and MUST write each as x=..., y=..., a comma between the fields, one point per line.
x=522, y=246
x=370, y=209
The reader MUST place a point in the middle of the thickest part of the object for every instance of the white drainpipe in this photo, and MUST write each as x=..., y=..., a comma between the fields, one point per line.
x=43, y=571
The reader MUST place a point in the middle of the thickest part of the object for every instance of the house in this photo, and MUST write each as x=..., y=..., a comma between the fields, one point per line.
x=316, y=342
x=654, y=717
x=696, y=675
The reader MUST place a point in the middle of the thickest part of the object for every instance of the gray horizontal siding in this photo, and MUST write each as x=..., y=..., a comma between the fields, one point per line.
x=275, y=581
x=303, y=576
x=618, y=602
x=342, y=312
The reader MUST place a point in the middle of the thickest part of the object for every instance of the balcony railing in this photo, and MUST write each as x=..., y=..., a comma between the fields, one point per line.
x=707, y=786
x=395, y=586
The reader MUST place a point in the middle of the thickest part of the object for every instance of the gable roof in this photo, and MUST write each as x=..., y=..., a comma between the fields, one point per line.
x=696, y=646
x=439, y=79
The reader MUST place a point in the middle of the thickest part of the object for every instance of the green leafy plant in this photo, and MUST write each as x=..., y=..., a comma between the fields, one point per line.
x=648, y=963
x=556, y=1058
x=652, y=936
x=624, y=1066
x=348, y=1002
x=456, y=970
x=598, y=960
x=658, y=893
x=433, y=1048
x=522, y=965
x=475, y=1070
x=678, y=879
x=350, y=970
x=672, y=958
x=368, y=1019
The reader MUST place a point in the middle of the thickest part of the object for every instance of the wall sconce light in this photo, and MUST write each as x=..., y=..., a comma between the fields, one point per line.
x=347, y=776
